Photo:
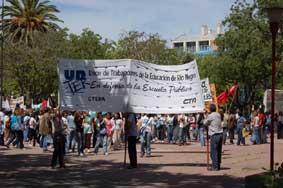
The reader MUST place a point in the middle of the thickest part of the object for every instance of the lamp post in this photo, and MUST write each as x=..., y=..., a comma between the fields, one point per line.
x=274, y=15
x=2, y=57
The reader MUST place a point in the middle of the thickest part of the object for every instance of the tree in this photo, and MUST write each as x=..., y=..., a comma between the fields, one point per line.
x=23, y=18
x=88, y=45
x=32, y=71
x=244, y=52
x=147, y=47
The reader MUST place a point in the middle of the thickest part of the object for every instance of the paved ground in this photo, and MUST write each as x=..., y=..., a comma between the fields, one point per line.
x=170, y=166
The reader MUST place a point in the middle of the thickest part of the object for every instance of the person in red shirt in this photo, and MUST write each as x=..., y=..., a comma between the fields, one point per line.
x=261, y=118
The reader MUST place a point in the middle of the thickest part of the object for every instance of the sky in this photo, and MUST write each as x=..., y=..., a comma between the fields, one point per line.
x=169, y=18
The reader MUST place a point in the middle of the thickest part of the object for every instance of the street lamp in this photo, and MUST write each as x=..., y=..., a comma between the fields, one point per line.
x=274, y=15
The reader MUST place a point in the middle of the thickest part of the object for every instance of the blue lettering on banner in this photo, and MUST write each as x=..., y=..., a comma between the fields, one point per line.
x=75, y=81
x=77, y=75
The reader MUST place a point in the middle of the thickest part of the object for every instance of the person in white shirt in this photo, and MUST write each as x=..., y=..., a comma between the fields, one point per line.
x=215, y=131
x=32, y=136
x=117, y=129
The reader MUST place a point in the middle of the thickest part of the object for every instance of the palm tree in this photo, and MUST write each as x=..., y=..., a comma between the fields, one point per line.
x=25, y=17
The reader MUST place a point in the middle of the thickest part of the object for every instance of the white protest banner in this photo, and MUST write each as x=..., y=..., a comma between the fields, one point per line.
x=206, y=90
x=278, y=106
x=20, y=101
x=129, y=86
x=5, y=105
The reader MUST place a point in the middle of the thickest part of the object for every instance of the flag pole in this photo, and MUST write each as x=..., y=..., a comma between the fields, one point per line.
x=125, y=148
x=207, y=149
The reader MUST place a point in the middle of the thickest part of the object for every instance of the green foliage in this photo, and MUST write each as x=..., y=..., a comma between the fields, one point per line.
x=148, y=47
x=88, y=45
x=32, y=71
x=244, y=52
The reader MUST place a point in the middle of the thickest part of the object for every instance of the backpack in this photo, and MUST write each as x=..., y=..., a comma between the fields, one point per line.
x=102, y=130
x=14, y=123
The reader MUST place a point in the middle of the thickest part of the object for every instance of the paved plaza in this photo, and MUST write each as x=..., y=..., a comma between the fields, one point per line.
x=169, y=166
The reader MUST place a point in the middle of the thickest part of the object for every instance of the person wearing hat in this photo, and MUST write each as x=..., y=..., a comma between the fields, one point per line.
x=215, y=131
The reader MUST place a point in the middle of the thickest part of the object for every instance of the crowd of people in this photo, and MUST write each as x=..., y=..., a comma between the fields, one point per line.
x=67, y=132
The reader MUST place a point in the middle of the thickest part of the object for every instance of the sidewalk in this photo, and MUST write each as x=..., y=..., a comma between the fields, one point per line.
x=169, y=166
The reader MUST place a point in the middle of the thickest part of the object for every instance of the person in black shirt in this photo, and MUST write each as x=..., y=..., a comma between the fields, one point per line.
x=78, y=119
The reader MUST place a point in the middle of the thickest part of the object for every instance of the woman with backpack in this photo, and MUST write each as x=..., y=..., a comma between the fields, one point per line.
x=17, y=127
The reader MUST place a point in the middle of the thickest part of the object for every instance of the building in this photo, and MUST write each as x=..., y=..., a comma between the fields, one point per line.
x=198, y=44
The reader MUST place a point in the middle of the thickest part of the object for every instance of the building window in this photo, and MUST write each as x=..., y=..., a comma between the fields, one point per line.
x=191, y=46
x=178, y=45
x=204, y=45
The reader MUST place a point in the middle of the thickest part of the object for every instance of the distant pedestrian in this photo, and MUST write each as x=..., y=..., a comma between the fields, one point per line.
x=240, y=126
x=225, y=126
x=200, y=124
x=280, y=126
x=231, y=126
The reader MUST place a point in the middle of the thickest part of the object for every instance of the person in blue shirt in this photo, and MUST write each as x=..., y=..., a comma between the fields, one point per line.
x=72, y=128
x=240, y=126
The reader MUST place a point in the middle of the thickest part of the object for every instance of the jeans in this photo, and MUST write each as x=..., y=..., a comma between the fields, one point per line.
x=216, y=150
x=44, y=141
x=102, y=139
x=279, y=130
x=145, y=144
x=19, y=139
x=187, y=132
x=1, y=139
x=67, y=143
x=175, y=134
x=160, y=132
x=224, y=135
x=231, y=134
x=182, y=135
x=265, y=133
x=94, y=139
x=72, y=140
x=241, y=139
x=32, y=135
x=132, y=150
x=170, y=133
x=257, y=135
x=201, y=136
x=26, y=134
x=11, y=138
x=59, y=147
x=80, y=139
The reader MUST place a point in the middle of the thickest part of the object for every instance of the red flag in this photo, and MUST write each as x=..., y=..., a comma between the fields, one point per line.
x=233, y=90
x=44, y=104
x=222, y=98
